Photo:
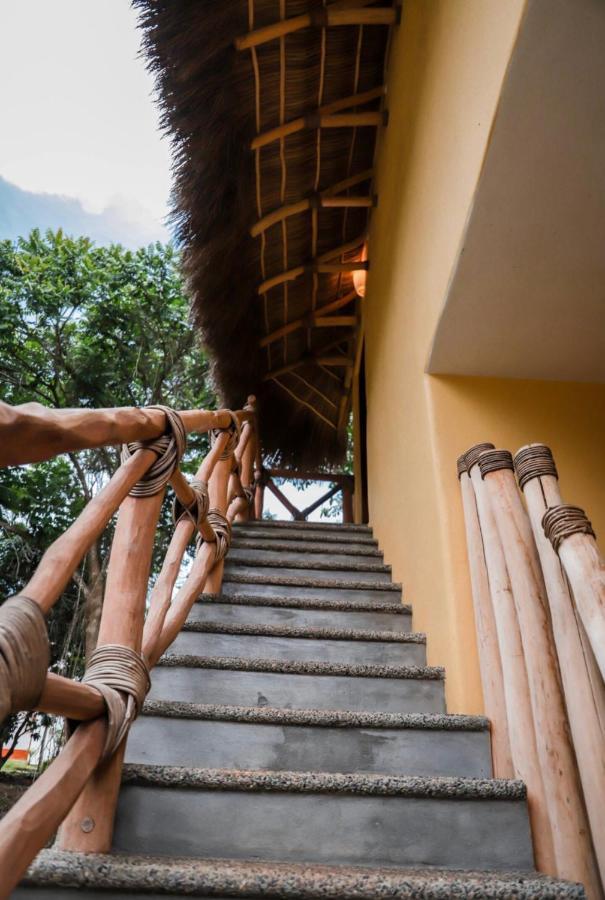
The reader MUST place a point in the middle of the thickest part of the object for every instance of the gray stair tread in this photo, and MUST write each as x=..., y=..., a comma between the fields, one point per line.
x=246, y=614
x=247, y=686
x=309, y=576
x=269, y=548
x=268, y=646
x=335, y=632
x=306, y=589
x=294, y=816
x=288, y=524
x=57, y=875
x=301, y=534
x=311, y=562
x=276, y=741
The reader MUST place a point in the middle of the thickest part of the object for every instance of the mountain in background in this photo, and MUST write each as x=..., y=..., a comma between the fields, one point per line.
x=20, y=211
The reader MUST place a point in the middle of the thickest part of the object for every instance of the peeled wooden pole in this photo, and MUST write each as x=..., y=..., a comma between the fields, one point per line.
x=89, y=826
x=32, y=821
x=521, y=731
x=571, y=837
x=217, y=488
x=32, y=432
x=584, y=699
x=487, y=639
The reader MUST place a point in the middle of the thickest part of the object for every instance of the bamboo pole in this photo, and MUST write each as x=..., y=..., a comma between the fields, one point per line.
x=571, y=836
x=304, y=321
x=70, y=699
x=329, y=17
x=35, y=817
x=218, y=500
x=584, y=697
x=521, y=731
x=32, y=432
x=63, y=556
x=314, y=266
x=490, y=664
x=89, y=826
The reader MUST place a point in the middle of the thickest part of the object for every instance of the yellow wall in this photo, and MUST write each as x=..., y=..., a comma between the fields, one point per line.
x=448, y=62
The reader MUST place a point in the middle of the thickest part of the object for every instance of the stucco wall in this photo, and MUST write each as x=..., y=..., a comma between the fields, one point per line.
x=447, y=64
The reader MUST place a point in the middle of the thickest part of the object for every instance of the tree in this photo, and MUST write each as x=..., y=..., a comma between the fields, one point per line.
x=85, y=326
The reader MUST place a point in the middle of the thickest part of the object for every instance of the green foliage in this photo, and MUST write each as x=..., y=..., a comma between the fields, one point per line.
x=86, y=326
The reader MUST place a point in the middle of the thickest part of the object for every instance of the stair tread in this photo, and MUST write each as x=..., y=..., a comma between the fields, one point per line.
x=293, y=602
x=285, y=524
x=307, y=564
x=293, y=545
x=301, y=667
x=306, y=632
x=307, y=581
x=327, y=718
x=297, y=881
x=409, y=786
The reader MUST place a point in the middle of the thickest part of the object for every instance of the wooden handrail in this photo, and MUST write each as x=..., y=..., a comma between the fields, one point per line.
x=75, y=781
x=342, y=482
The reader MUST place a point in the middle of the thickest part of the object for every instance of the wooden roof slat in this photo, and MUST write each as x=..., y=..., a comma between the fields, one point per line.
x=313, y=118
x=302, y=401
x=317, y=265
x=321, y=18
x=316, y=200
x=303, y=321
x=347, y=183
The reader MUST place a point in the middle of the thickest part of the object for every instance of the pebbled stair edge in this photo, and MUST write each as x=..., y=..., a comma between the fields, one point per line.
x=294, y=546
x=295, y=581
x=291, y=667
x=398, y=609
x=310, y=632
x=285, y=524
x=326, y=718
x=434, y=788
x=308, y=565
x=293, y=881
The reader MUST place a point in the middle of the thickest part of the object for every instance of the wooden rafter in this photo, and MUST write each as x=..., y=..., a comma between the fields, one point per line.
x=317, y=201
x=305, y=321
x=321, y=18
x=304, y=402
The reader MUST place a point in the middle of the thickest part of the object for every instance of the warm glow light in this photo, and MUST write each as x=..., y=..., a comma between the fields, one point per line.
x=360, y=276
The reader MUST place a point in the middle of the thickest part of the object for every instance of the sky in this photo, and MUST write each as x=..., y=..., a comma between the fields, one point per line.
x=78, y=120
x=77, y=111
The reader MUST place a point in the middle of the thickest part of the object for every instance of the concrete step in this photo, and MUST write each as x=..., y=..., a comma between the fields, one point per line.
x=330, y=818
x=298, y=685
x=292, y=525
x=302, y=533
x=236, y=737
x=59, y=876
x=334, y=574
x=258, y=611
x=271, y=547
x=291, y=643
x=311, y=589
x=307, y=561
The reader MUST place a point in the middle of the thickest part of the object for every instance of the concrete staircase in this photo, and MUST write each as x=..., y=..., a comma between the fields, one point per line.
x=295, y=744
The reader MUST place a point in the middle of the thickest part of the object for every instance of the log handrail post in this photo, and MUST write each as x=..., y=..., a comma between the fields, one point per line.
x=571, y=836
x=89, y=825
x=583, y=688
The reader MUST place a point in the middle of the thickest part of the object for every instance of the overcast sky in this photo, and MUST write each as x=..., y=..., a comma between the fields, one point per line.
x=77, y=114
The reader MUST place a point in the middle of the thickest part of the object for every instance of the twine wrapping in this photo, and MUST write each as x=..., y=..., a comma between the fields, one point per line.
x=24, y=654
x=169, y=447
x=534, y=461
x=560, y=522
x=115, y=670
x=495, y=461
x=249, y=495
x=461, y=467
x=472, y=454
x=222, y=529
x=234, y=433
x=198, y=510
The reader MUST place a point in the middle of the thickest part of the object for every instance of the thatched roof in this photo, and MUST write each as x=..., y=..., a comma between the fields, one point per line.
x=268, y=244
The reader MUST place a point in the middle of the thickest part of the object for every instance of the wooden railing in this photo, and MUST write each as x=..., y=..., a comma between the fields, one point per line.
x=538, y=585
x=77, y=793
x=341, y=483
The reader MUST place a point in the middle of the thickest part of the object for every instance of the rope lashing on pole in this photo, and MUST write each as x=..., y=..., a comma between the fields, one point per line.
x=24, y=654
x=222, y=529
x=169, y=448
x=234, y=435
x=560, y=522
x=198, y=511
x=494, y=461
x=471, y=457
x=534, y=461
x=115, y=671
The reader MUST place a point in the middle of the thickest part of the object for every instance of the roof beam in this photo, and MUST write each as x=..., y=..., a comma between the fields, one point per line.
x=316, y=201
x=318, y=18
x=305, y=321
